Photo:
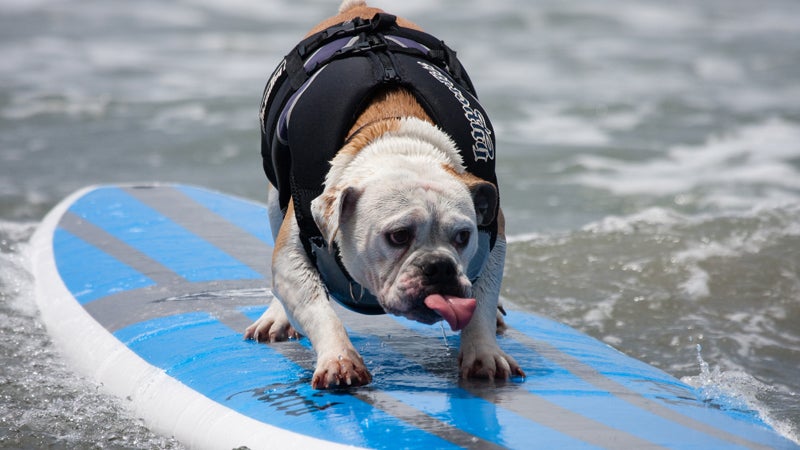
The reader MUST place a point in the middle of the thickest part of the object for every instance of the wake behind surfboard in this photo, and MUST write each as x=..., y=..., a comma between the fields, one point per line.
x=148, y=289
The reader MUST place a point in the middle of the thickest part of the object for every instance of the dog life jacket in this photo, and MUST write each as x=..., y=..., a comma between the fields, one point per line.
x=317, y=92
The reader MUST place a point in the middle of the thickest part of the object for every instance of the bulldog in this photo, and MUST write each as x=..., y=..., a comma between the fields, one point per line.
x=384, y=196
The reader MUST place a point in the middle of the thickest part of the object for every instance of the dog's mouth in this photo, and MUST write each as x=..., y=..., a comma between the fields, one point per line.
x=429, y=303
x=456, y=311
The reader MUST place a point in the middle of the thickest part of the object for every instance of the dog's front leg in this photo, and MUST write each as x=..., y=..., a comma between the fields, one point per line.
x=480, y=356
x=298, y=285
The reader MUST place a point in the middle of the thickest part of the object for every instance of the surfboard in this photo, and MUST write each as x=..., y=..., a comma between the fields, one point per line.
x=148, y=289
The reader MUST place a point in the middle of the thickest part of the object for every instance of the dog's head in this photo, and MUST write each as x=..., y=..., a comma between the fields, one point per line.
x=406, y=224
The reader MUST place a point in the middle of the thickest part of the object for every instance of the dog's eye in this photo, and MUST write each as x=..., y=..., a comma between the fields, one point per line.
x=461, y=238
x=399, y=238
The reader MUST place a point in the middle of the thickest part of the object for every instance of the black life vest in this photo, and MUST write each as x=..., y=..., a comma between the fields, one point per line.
x=317, y=92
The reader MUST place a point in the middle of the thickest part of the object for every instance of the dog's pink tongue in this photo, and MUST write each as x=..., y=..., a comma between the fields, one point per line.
x=456, y=311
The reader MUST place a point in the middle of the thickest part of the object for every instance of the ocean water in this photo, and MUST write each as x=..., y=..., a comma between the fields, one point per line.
x=648, y=155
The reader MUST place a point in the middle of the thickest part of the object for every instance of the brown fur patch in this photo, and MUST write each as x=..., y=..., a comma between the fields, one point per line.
x=389, y=104
x=380, y=117
x=465, y=177
x=501, y=222
x=369, y=133
x=284, y=234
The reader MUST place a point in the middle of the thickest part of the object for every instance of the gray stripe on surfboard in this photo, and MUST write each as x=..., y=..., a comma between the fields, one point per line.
x=305, y=358
x=126, y=308
x=520, y=401
x=103, y=240
x=208, y=225
x=593, y=377
x=233, y=319
x=221, y=299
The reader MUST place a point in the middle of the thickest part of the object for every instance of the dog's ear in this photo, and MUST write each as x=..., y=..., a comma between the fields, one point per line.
x=333, y=208
x=485, y=198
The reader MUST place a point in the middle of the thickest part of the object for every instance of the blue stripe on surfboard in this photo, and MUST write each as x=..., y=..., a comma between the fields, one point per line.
x=601, y=406
x=441, y=398
x=647, y=380
x=563, y=388
x=89, y=273
x=470, y=414
x=554, y=383
x=258, y=382
x=249, y=216
x=146, y=230
x=444, y=400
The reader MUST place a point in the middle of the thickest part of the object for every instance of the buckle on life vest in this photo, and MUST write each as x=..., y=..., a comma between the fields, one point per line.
x=376, y=44
x=350, y=28
x=367, y=43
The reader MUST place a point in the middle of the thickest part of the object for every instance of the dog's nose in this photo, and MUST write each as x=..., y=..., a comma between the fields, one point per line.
x=438, y=270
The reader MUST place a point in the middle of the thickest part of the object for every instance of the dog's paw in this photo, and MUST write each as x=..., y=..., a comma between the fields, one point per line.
x=339, y=371
x=488, y=362
x=272, y=326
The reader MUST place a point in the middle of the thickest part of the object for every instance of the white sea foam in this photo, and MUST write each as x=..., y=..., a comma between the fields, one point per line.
x=24, y=105
x=15, y=275
x=695, y=246
x=523, y=237
x=696, y=285
x=556, y=128
x=754, y=155
x=629, y=223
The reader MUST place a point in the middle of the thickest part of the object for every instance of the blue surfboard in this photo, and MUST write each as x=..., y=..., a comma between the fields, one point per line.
x=149, y=288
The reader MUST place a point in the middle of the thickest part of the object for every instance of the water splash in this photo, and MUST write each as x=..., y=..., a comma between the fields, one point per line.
x=736, y=392
x=725, y=390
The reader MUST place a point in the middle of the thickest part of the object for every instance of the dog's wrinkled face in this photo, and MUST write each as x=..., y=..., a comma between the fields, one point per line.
x=406, y=233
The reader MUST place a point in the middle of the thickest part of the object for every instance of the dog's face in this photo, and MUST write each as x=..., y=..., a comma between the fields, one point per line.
x=406, y=231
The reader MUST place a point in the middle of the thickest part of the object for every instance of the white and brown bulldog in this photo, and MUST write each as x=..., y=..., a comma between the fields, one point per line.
x=398, y=206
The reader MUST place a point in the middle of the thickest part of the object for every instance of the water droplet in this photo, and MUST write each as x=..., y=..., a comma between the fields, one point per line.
x=444, y=337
